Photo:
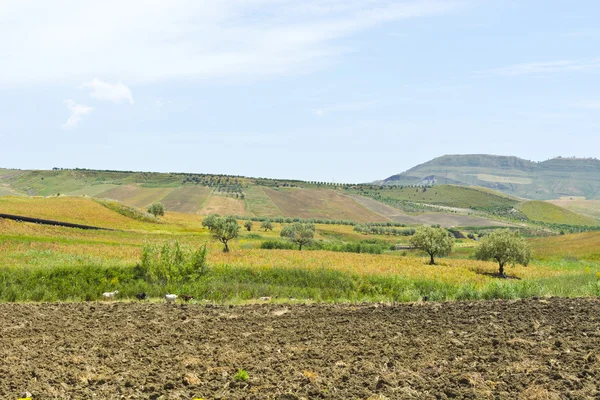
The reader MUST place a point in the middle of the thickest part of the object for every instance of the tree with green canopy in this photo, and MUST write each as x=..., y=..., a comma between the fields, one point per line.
x=266, y=225
x=299, y=233
x=156, y=209
x=224, y=229
x=504, y=246
x=433, y=241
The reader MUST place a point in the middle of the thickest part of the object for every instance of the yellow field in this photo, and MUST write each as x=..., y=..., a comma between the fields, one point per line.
x=41, y=246
x=581, y=245
x=32, y=244
x=224, y=205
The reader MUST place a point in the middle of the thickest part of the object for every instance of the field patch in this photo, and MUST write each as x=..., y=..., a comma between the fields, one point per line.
x=77, y=210
x=224, y=205
x=6, y=191
x=259, y=203
x=589, y=208
x=321, y=203
x=504, y=179
x=585, y=246
x=446, y=220
x=93, y=190
x=135, y=195
x=543, y=211
x=186, y=199
x=443, y=195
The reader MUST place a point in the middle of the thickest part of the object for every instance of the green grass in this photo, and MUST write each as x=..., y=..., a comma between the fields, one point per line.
x=259, y=203
x=86, y=281
x=46, y=263
x=542, y=211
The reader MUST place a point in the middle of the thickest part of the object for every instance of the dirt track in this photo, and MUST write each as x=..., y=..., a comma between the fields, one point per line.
x=534, y=349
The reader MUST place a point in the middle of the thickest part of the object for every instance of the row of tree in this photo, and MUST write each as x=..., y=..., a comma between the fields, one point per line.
x=503, y=246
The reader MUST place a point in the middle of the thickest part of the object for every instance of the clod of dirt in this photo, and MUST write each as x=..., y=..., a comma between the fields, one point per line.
x=191, y=379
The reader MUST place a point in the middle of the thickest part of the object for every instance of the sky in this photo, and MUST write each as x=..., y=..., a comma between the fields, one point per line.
x=327, y=90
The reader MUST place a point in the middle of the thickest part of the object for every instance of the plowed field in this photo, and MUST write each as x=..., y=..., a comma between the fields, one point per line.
x=524, y=349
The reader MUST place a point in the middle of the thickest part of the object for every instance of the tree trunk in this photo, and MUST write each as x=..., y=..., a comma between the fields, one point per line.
x=502, y=271
x=226, y=249
x=300, y=246
x=432, y=262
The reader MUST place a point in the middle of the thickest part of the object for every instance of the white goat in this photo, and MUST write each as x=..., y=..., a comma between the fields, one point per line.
x=171, y=298
x=109, y=295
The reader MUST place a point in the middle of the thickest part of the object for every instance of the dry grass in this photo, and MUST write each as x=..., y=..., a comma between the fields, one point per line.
x=581, y=246
x=590, y=208
x=538, y=392
x=77, y=210
x=224, y=205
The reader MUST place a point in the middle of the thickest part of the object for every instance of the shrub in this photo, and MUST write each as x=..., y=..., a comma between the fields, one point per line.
x=156, y=209
x=172, y=263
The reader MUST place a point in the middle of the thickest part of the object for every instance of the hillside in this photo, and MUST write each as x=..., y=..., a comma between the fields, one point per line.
x=203, y=194
x=551, y=179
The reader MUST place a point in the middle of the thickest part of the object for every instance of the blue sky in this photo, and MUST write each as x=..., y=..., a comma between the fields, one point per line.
x=343, y=90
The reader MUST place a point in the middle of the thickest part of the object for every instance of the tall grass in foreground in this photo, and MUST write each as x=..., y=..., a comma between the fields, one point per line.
x=224, y=283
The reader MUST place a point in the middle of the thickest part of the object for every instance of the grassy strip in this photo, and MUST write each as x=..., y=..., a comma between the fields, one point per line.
x=227, y=284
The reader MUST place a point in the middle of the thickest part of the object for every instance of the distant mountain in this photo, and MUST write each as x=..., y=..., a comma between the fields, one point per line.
x=551, y=179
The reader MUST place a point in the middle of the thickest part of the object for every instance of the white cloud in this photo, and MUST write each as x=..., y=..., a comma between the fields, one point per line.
x=78, y=111
x=147, y=41
x=545, y=68
x=115, y=92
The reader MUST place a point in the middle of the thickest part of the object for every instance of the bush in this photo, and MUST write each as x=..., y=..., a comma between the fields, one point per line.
x=172, y=263
x=277, y=245
x=156, y=209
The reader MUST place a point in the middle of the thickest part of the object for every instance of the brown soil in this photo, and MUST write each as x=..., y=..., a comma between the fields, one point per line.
x=321, y=203
x=525, y=349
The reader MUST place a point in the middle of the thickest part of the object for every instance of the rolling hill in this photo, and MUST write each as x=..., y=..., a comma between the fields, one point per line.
x=552, y=179
x=203, y=194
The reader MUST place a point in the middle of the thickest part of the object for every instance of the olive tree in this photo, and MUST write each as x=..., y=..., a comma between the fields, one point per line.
x=210, y=220
x=224, y=229
x=248, y=225
x=504, y=246
x=156, y=209
x=433, y=241
x=267, y=225
x=299, y=233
